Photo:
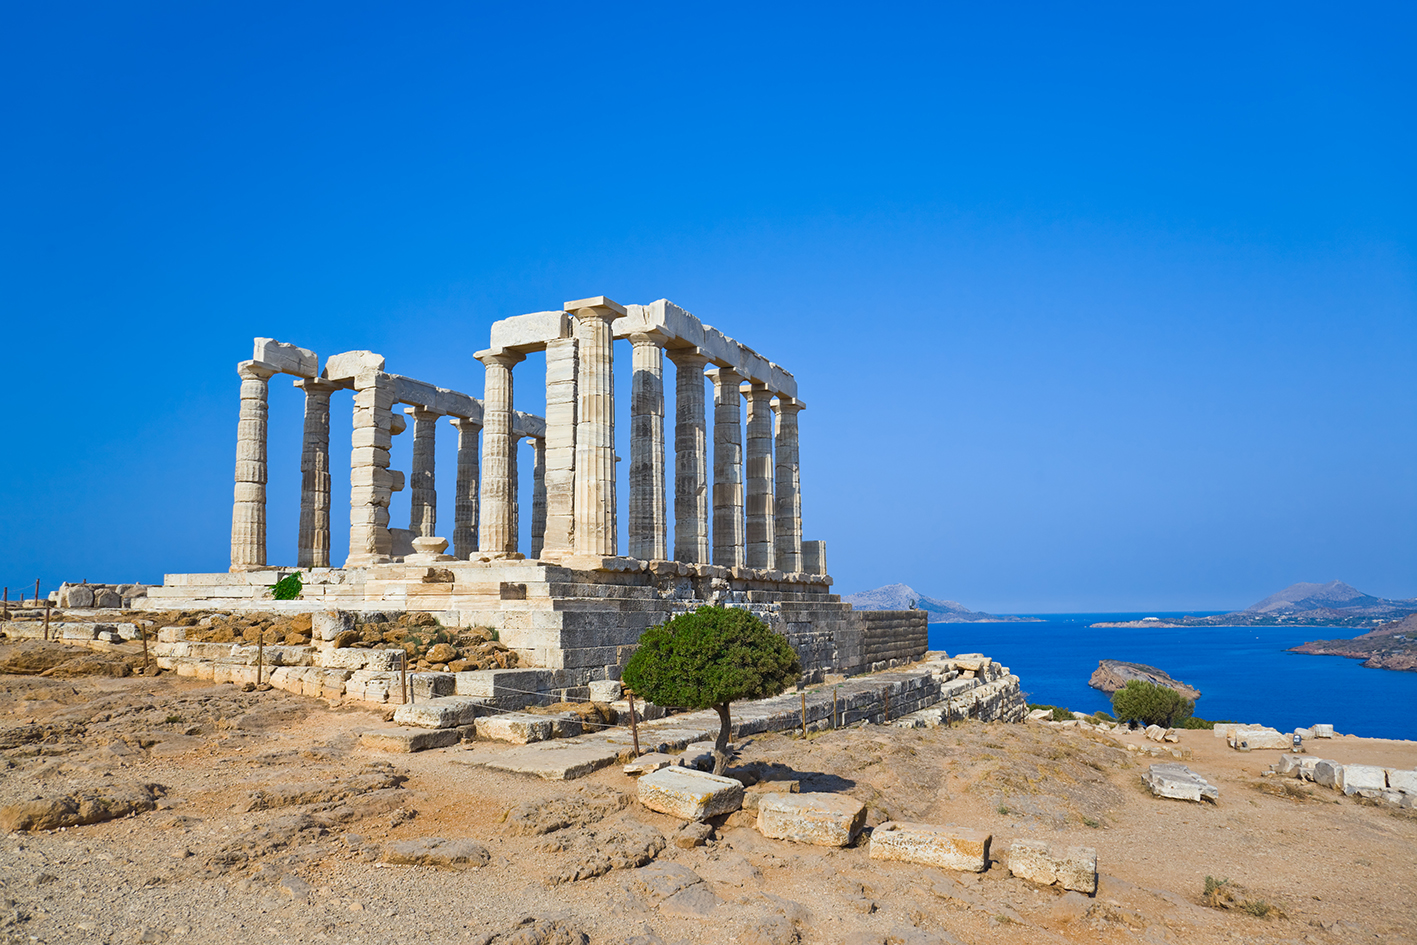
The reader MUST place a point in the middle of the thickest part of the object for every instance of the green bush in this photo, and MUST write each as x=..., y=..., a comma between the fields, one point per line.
x=287, y=588
x=708, y=659
x=1151, y=704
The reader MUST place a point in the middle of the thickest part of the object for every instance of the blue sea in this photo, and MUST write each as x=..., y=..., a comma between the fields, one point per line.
x=1243, y=673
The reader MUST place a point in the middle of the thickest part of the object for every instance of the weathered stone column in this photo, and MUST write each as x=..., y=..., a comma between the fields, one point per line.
x=371, y=484
x=248, y=509
x=465, y=503
x=727, y=468
x=314, y=549
x=497, y=522
x=691, y=533
x=758, y=480
x=423, y=493
x=560, y=447
x=648, y=522
x=789, y=488
x=538, y=495
x=595, y=527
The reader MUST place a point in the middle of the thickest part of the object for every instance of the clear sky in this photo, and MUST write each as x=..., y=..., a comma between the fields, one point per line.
x=1093, y=306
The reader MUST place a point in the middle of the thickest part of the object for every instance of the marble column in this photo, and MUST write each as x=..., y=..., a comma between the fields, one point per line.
x=497, y=522
x=465, y=502
x=727, y=468
x=371, y=484
x=314, y=546
x=560, y=447
x=648, y=521
x=538, y=495
x=423, y=493
x=595, y=524
x=691, y=533
x=788, y=530
x=248, y=509
x=758, y=480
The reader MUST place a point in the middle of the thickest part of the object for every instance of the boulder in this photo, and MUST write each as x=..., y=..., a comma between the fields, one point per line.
x=689, y=794
x=1074, y=868
x=946, y=846
x=1360, y=778
x=1178, y=782
x=827, y=820
x=1328, y=774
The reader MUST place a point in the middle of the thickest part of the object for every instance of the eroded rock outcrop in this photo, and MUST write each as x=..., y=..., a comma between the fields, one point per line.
x=1112, y=675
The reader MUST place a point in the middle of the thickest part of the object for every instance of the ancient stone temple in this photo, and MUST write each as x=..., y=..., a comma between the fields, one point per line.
x=571, y=602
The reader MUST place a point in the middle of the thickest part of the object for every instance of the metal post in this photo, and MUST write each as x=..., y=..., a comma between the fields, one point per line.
x=634, y=724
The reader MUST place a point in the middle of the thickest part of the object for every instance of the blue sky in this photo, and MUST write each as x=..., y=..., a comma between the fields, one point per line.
x=1097, y=307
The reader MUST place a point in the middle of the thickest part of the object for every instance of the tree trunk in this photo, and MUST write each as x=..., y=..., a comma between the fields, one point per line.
x=720, y=746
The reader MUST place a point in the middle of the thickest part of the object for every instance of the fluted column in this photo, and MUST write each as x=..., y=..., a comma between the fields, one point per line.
x=423, y=493
x=314, y=547
x=371, y=484
x=727, y=468
x=465, y=502
x=595, y=526
x=538, y=494
x=788, y=528
x=497, y=522
x=758, y=480
x=248, y=509
x=691, y=500
x=648, y=522
x=560, y=448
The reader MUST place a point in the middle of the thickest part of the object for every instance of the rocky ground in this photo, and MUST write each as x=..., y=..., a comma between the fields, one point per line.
x=252, y=817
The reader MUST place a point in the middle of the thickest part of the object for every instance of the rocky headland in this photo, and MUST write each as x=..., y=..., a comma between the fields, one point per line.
x=1389, y=646
x=1334, y=604
x=1112, y=675
x=905, y=597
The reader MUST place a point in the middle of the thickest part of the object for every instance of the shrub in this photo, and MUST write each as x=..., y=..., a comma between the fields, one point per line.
x=287, y=588
x=1151, y=704
x=708, y=659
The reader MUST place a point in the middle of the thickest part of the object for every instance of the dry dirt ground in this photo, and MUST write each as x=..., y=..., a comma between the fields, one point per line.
x=254, y=817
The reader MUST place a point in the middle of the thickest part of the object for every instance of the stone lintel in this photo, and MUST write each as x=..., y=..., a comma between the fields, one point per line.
x=347, y=365
x=286, y=358
x=532, y=331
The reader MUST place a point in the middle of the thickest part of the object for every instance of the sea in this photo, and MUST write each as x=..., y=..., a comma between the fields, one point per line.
x=1244, y=674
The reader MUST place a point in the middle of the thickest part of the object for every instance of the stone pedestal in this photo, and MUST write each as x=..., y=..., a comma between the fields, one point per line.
x=727, y=468
x=423, y=493
x=248, y=510
x=497, y=524
x=314, y=550
x=648, y=522
x=758, y=480
x=469, y=481
x=561, y=368
x=691, y=535
x=595, y=525
x=787, y=525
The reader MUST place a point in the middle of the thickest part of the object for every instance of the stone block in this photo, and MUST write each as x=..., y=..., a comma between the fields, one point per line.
x=689, y=794
x=79, y=595
x=107, y=598
x=525, y=333
x=1179, y=782
x=1289, y=765
x=1249, y=739
x=347, y=365
x=517, y=728
x=1402, y=780
x=1328, y=774
x=286, y=358
x=172, y=635
x=828, y=820
x=1359, y=778
x=329, y=624
x=606, y=690
x=1074, y=868
x=78, y=632
x=1322, y=730
x=648, y=762
x=408, y=739
x=425, y=686
x=945, y=846
x=753, y=793
x=446, y=712
x=1155, y=732
x=379, y=661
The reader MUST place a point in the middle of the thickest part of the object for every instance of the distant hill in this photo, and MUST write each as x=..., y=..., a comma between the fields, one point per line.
x=901, y=597
x=1333, y=597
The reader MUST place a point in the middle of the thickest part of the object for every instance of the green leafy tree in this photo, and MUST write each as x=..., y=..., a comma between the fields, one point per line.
x=1151, y=704
x=710, y=658
x=287, y=588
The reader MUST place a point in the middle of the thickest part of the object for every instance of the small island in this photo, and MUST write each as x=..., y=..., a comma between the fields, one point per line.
x=1112, y=675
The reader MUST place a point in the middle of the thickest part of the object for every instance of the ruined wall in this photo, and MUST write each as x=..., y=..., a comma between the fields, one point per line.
x=892, y=638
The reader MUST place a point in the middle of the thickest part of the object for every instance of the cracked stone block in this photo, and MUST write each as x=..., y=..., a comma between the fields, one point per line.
x=1328, y=774
x=445, y=712
x=689, y=794
x=516, y=728
x=945, y=846
x=828, y=820
x=1072, y=868
x=1358, y=778
x=1179, y=782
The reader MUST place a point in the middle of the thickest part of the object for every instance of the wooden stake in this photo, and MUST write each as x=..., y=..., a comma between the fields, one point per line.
x=143, y=632
x=886, y=695
x=260, y=654
x=804, y=713
x=46, y=620
x=403, y=679
x=634, y=724
x=36, y=592
x=836, y=719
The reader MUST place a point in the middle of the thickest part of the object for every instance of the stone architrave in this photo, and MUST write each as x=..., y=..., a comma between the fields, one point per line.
x=788, y=520
x=469, y=481
x=314, y=550
x=538, y=495
x=758, y=471
x=371, y=484
x=561, y=368
x=648, y=521
x=942, y=845
x=248, y=510
x=423, y=493
x=691, y=534
x=595, y=525
x=727, y=468
x=497, y=524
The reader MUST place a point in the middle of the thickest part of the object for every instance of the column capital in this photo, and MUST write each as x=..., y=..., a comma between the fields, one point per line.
x=465, y=423
x=687, y=358
x=256, y=370
x=725, y=376
x=318, y=386
x=597, y=306
x=419, y=412
x=503, y=356
x=648, y=339
x=755, y=391
x=788, y=404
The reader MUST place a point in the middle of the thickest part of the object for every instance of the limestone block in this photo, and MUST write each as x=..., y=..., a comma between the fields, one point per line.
x=1322, y=731
x=1358, y=778
x=606, y=690
x=347, y=365
x=430, y=685
x=946, y=846
x=1288, y=765
x=530, y=332
x=107, y=598
x=1155, y=732
x=1328, y=774
x=1248, y=739
x=1306, y=766
x=129, y=631
x=286, y=358
x=444, y=712
x=1401, y=780
x=171, y=634
x=329, y=624
x=379, y=661
x=1179, y=782
x=1074, y=868
x=648, y=762
x=753, y=793
x=81, y=632
x=828, y=820
x=517, y=728
x=689, y=794
x=408, y=739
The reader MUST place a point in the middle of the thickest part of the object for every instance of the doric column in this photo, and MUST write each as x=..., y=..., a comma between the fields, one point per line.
x=560, y=447
x=691, y=501
x=538, y=495
x=371, y=484
x=757, y=480
x=314, y=549
x=648, y=522
x=423, y=493
x=789, y=488
x=465, y=502
x=497, y=522
x=595, y=528
x=727, y=468
x=248, y=510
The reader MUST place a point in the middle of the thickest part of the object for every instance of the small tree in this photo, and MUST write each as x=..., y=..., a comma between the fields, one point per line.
x=287, y=588
x=1151, y=704
x=708, y=659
